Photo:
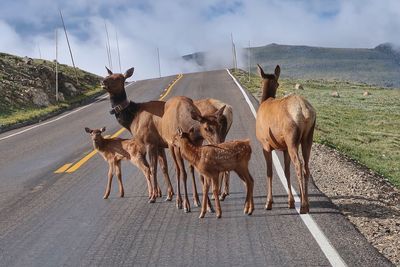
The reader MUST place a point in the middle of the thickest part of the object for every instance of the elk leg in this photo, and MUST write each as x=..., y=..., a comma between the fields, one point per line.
x=110, y=176
x=196, y=201
x=225, y=180
x=143, y=165
x=209, y=205
x=205, y=194
x=287, y=175
x=153, y=163
x=268, y=161
x=215, y=187
x=244, y=178
x=162, y=159
x=181, y=164
x=306, y=151
x=294, y=155
x=119, y=177
x=250, y=181
x=178, y=181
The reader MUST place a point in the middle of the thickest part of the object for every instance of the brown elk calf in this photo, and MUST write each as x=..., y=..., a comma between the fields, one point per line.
x=116, y=149
x=210, y=160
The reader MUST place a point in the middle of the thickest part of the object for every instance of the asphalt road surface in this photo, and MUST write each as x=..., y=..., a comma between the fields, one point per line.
x=57, y=219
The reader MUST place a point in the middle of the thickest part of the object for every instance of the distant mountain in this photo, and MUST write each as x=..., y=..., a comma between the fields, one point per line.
x=378, y=66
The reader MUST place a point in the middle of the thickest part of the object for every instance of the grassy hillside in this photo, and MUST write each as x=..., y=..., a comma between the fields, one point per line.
x=366, y=128
x=378, y=66
x=27, y=88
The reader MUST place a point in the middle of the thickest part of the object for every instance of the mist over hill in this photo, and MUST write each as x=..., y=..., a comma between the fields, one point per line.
x=377, y=66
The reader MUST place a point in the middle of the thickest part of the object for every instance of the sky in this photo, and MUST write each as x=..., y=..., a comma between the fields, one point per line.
x=181, y=27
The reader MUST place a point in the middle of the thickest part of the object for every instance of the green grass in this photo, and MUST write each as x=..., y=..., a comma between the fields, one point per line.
x=365, y=128
x=18, y=115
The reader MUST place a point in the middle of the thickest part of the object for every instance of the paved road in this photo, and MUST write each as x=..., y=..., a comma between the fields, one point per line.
x=53, y=219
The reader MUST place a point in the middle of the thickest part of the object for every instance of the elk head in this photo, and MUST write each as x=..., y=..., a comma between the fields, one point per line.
x=114, y=83
x=210, y=125
x=95, y=133
x=269, y=82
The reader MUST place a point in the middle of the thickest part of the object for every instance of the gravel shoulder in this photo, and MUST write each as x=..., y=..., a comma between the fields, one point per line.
x=368, y=200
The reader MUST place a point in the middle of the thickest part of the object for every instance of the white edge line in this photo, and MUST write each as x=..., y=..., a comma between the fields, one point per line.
x=330, y=252
x=53, y=120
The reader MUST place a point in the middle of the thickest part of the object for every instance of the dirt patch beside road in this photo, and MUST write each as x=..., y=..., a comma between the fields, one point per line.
x=369, y=201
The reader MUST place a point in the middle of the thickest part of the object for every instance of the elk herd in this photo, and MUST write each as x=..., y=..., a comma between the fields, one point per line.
x=183, y=125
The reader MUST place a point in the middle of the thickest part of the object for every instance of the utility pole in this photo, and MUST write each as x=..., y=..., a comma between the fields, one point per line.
x=233, y=53
x=109, y=47
x=248, y=55
x=119, y=57
x=69, y=47
x=159, y=64
x=56, y=65
x=40, y=52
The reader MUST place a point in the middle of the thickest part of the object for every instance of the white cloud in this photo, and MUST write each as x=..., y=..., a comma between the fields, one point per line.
x=181, y=27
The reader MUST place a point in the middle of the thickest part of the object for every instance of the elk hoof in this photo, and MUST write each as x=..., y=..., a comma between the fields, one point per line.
x=291, y=205
x=304, y=210
x=223, y=196
x=268, y=206
x=179, y=204
x=219, y=216
x=196, y=203
x=168, y=199
x=152, y=200
x=210, y=209
x=202, y=214
x=186, y=210
x=121, y=195
x=105, y=196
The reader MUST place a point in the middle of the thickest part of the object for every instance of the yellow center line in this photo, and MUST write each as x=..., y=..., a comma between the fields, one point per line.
x=66, y=168
x=63, y=168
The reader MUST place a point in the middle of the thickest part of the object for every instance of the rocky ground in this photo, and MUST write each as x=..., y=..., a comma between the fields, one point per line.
x=369, y=201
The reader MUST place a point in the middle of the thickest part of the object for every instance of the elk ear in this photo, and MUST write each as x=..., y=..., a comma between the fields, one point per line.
x=219, y=112
x=103, y=129
x=88, y=130
x=196, y=116
x=109, y=71
x=129, y=73
x=261, y=71
x=277, y=72
x=179, y=131
x=191, y=130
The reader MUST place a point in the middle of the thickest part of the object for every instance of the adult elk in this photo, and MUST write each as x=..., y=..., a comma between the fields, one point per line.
x=284, y=124
x=142, y=120
x=180, y=112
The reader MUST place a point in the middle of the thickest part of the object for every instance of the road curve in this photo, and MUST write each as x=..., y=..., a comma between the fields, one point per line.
x=52, y=219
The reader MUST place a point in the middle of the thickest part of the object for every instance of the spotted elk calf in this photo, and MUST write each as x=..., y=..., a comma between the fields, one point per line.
x=210, y=160
x=114, y=150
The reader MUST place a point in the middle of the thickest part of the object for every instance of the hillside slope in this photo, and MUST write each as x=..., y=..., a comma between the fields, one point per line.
x=28, y=85
x=377, y=66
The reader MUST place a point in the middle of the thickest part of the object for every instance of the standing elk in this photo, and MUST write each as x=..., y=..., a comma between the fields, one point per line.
x=209, y=107
x=142, y=120
x=180, y=111
x=284, y=124
x=211, y=160
x=116, y=149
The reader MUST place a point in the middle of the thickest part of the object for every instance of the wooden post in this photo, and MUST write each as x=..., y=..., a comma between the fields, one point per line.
x=56, y=65
x=119, y=56
x=69, y=47
x=109, y=47
x=159, y=63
